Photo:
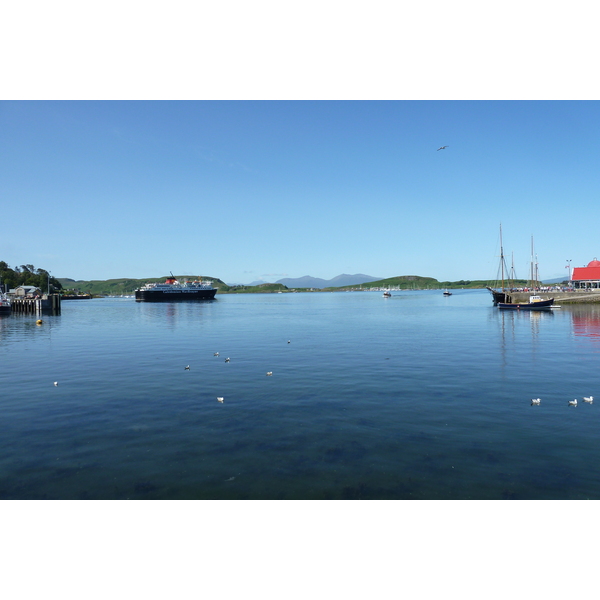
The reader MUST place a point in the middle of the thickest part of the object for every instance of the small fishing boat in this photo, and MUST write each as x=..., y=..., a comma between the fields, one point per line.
x=5, y=305
x=535, y=303
x=447, y=293
x=387, y=294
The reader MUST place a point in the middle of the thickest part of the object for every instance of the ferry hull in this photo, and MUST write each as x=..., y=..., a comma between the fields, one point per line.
x=174, y=295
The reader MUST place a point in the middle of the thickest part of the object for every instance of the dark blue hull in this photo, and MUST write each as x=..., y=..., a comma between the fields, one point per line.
x=174, y=295
x=543, y=305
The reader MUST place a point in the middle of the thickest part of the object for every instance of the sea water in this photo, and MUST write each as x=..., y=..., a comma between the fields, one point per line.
x=417, y=396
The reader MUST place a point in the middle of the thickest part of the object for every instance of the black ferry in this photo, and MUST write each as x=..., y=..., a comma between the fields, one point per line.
x=174, y=291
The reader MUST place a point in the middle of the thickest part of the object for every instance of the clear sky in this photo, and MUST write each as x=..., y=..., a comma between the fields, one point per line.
x=260, y=190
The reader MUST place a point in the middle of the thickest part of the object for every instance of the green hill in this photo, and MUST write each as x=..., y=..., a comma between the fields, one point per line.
x=415, y=282
x=119, y=287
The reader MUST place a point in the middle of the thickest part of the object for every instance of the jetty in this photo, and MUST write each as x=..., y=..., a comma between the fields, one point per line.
x=47, y=304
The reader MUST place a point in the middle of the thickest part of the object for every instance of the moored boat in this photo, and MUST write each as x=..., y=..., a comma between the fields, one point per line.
x=501, y=293
x=535, y=303
x=174, y=291
x=5, y=305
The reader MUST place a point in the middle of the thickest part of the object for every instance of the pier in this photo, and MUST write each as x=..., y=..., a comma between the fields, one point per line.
x=591, y=296
x=46, y=304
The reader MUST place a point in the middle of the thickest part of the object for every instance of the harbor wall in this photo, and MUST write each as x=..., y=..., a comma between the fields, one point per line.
x=573, y=297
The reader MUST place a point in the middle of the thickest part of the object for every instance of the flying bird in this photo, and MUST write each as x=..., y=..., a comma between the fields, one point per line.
x=443, y=147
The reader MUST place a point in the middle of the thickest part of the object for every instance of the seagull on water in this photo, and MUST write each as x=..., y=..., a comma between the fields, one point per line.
x=187, y=368
x=227, y=360
x=216, y=354
x=588, y=399
x=269, y=373
x=56, y=383
x=573, y=402
x=220, y=399
x=442, y=147
x=536, y=401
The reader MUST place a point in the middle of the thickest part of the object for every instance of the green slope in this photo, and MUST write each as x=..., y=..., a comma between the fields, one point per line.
x=118, y=287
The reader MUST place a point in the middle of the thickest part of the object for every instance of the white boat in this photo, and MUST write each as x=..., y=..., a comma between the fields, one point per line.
x=387, y=294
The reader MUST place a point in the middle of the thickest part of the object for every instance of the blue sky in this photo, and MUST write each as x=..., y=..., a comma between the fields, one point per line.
x=260, y=190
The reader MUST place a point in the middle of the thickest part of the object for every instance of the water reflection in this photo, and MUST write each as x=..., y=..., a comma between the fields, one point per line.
x=519, y=326
x=586, y=322
x=21, y=327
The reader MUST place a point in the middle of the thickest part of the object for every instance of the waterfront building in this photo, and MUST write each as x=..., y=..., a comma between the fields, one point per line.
x=587, y=277
x=25, y=291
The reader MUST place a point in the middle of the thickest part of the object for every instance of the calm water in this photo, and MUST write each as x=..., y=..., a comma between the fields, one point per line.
x=413, y=397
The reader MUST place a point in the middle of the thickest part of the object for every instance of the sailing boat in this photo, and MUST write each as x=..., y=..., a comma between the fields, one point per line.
x=500, y=295
x=535, y=302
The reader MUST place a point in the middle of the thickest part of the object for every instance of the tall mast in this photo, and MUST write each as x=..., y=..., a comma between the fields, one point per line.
x=532, y=273
x=501, y=258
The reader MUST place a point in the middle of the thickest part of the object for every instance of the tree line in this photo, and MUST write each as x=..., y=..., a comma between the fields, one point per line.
x=27, y=275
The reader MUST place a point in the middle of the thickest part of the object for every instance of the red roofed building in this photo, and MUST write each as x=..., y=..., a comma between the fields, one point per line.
x=587, y=277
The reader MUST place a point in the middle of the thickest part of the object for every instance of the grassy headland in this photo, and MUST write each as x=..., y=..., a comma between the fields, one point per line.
x=120, y=287
x=415, y=282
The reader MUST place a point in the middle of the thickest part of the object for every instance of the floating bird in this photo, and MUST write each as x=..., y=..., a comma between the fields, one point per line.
x=187, y=368
x=56, y=383
x=536, y=401
x=269, y=373
x=442, y=148
x=588, y=399
x=227, y=360
x=220, y=399
x=289, y=341
x=216, y=354
x=573, y=402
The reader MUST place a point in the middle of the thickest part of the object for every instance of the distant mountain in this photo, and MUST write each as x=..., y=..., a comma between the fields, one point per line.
x=315, y=282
